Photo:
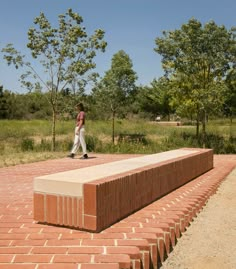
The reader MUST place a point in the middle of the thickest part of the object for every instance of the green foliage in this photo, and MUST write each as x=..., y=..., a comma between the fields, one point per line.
x=44, y=145
x=27, y=144
x=218, y=143
x=93, y=143
x=124, y=147
x=155, y=99
x=230, y=103
x=20, y=129
x=3, y=104
x=66, y=54
x=32, y=138
x=135, y=138
x=115, y=90
x=196, y=60
x=199, y=64
x=118, y=84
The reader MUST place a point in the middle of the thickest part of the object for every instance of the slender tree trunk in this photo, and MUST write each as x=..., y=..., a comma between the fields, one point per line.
x=197, y=127
x=53, y=129
x=204, y=129
x=113, y=127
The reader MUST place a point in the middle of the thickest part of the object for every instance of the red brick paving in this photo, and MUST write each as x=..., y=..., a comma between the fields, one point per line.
x=141, y=240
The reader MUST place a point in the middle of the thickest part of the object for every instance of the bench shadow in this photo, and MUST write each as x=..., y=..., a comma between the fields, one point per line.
x=93, y=157
x=89, y=157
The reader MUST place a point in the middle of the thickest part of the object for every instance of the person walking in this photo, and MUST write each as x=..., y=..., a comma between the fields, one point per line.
x=79, y=138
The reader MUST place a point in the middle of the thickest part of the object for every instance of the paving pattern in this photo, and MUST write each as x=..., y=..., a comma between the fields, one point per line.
x=142, y=240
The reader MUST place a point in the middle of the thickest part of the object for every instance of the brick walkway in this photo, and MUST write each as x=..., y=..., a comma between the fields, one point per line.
x=141, y=240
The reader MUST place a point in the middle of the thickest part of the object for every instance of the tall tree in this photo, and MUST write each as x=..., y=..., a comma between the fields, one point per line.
x=115, y=89
x=230, y=104
x=65, y=53
x=196, y=59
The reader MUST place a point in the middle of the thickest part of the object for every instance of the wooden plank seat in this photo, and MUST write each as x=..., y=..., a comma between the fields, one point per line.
x=95, y=197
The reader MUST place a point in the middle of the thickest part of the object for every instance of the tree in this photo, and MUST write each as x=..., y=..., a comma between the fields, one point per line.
x=230, y=103
x=3, y=104
x=8, y=104
x=65, y=53
x=229, y=108
x=115, y=89
x=155, y=98
x=196, y=59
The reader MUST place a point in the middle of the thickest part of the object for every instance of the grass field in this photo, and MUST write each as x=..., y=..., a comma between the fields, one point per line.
x=29, y=141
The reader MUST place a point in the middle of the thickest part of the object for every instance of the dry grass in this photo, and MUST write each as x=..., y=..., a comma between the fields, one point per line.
x=28, y=157
x=159, y=138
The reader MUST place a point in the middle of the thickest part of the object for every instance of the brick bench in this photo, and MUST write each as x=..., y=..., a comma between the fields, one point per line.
x=95, y=197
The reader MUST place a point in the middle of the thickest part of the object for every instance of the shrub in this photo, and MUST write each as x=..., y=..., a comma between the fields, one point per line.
x=27, y=144
x=218, y=143
x=44, y=145
x=92, y=143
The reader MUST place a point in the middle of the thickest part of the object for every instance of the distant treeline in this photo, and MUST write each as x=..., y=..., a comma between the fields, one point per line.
x=35, y=105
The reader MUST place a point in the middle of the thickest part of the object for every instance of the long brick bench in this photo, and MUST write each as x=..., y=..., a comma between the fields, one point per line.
x=95, y=197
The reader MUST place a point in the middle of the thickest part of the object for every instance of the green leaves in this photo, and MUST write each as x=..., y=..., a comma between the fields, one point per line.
x=12, y=56
x=117, y=85
x=196, y=59
x=66, y=54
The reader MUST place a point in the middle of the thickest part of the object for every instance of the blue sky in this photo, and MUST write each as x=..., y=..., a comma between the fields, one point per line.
x=130, y=25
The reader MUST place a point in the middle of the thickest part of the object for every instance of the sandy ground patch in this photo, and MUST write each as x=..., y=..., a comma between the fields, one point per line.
x=210, y=241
